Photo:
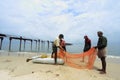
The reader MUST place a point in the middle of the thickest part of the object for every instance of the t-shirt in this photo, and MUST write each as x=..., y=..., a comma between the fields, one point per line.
x=57, y=42
x=102, y=42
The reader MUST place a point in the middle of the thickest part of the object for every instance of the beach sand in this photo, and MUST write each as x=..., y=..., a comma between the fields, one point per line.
x=15, y=67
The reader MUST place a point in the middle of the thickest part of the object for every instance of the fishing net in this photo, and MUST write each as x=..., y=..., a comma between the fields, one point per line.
x=83, y=60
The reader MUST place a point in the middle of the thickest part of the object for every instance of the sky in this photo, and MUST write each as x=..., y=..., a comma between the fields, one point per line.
x=46, y=19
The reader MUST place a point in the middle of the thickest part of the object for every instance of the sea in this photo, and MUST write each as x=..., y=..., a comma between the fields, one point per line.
x=113, y=51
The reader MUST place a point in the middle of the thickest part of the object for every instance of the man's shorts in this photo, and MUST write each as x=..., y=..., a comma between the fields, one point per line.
x=54, y=49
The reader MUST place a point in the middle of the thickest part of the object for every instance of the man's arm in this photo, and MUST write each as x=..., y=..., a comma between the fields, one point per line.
x=60, y=47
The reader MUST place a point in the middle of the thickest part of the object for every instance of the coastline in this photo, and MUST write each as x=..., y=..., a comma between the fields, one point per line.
x=14, y=67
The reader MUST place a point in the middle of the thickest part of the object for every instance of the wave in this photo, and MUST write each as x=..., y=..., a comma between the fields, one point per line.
x=5, y=51
x=114, y=57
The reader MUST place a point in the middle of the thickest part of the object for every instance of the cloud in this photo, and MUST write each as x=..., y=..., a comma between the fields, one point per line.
x=46, y=19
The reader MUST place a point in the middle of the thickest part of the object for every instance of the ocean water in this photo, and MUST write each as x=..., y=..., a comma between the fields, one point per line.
x=113, y=51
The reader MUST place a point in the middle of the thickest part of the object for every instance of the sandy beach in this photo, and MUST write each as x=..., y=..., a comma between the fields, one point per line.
x=15, y=67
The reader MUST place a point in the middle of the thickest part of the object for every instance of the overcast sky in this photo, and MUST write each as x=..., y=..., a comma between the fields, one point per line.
x=45, y=19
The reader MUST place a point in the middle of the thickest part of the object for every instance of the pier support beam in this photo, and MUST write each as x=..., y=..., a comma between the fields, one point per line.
x=1, y=42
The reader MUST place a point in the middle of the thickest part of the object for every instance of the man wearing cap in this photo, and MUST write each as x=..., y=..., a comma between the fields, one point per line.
x=87, y=45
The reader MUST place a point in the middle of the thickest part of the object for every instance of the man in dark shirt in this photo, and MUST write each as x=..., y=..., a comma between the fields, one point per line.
x=87, y=45
x=101, y=45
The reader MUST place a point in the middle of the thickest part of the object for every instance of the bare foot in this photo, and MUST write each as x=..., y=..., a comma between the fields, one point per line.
x=27, y=60
x=102, y=72
x=100, y=69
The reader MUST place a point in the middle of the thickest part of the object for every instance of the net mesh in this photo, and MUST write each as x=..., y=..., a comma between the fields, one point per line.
x=83, y=60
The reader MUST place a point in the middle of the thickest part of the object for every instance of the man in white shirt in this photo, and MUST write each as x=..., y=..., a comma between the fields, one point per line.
x=56, y=44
